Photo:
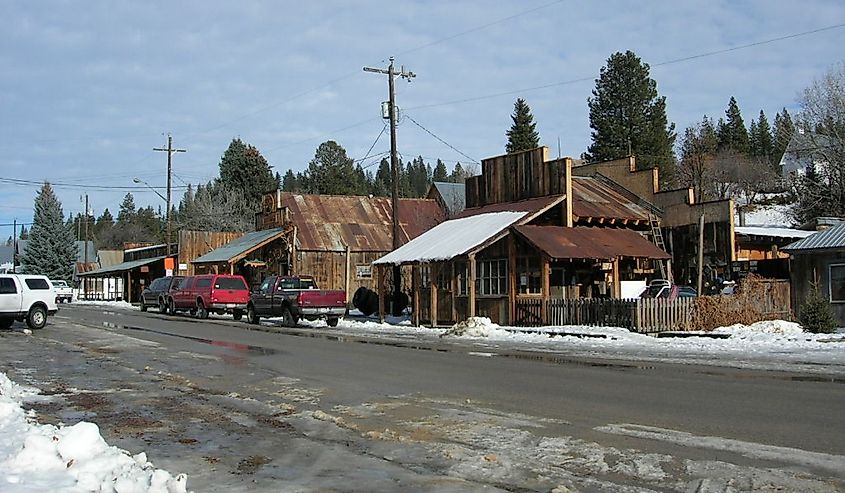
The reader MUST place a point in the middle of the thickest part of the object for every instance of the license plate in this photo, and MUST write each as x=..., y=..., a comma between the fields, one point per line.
x=231, y=305
x=324, y=310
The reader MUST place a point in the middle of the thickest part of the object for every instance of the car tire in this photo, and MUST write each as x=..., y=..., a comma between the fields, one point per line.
x=163, y=306
x=143, y=304
x=202, y=312
x=6, y=323
x=36, y=318
x=332, y=321
x=171, y=307
x=251, y=316
x=237, y=315
x=287, y=318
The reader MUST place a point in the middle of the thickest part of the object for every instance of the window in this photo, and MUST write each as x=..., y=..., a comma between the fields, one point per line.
x=7, y=286
x=235, y=283
x=461, y=276
x=837, y=283
x=202, y=283
x=37, y=284
x=267, y=285
x=529, y=280
x=492, y=277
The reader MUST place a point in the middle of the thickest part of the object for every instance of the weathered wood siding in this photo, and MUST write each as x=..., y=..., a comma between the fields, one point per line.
x=195, y=244
x=330, y=269
x=514, y=177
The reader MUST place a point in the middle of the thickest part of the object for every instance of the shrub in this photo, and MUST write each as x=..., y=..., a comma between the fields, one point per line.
x=816, y=315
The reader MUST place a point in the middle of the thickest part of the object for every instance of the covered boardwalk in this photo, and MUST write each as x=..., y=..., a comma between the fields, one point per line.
x=254, y=256
x=134, y=275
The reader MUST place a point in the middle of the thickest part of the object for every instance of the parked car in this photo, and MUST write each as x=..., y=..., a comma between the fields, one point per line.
x=157, y=293
x=218, y=293
x=295, y=298
x=26, y=298
x=661, y=288
x=64, y=293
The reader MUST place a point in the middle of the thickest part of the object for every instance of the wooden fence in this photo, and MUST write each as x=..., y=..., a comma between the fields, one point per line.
x=641, y=315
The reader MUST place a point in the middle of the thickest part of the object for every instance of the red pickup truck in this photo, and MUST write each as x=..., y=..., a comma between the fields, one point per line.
x=295, y=298
x=202, y=294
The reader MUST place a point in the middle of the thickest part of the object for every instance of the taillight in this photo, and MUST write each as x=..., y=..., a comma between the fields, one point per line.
x=300, y=299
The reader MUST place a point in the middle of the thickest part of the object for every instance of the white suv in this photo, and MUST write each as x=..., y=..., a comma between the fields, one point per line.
x=26, y=297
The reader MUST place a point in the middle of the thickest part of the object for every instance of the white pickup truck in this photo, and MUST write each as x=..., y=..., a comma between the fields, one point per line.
x=64, y=293
x=26, y=298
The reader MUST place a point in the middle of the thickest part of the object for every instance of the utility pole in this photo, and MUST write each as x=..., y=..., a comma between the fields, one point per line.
x=15, y=246
x=86, y=231
x=170, y=150
x=394, y=160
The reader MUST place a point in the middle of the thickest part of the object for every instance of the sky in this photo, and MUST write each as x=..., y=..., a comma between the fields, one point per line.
x=88, y=89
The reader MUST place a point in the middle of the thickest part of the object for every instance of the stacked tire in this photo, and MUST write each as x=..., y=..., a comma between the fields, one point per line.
x=366, y=301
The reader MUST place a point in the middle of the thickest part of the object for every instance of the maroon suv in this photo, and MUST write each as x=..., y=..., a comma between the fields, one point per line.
x=218, y=293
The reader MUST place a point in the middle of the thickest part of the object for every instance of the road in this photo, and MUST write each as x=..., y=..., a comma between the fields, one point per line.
x=239, y=409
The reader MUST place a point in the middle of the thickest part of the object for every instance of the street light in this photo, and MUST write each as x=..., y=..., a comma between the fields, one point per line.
x=167, y=215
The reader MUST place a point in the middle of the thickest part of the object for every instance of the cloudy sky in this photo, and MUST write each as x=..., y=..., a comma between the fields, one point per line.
x=88, y=88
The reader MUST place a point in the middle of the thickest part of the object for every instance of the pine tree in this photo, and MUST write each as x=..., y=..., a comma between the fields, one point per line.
x=522, y=135
x=440, y=174
x=459, y=175
x=244, y=169
x=382, y=181
x=783, y=131
x=765, y=141
x=51, y=250
x=24, y=233
x=733, y=136
x=127, y=212
x=332, y=171
x=629, y=117
x=289, y=182
x=816, y=315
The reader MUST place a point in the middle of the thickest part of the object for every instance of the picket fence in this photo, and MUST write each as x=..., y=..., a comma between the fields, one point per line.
x=646, y=315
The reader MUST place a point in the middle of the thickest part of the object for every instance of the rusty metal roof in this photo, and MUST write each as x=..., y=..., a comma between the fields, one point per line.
x=594, y=198
x=589, y=243
x=365, y=224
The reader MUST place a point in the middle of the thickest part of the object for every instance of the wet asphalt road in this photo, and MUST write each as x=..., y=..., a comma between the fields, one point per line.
x=304, y=410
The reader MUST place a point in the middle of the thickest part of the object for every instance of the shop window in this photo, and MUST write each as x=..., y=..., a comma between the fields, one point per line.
x=528, y=275
x=492, y=277
x=837, y=283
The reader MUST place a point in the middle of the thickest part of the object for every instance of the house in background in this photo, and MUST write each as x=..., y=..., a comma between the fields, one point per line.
x=7, y=257
x=450, y=196
x=819, y=260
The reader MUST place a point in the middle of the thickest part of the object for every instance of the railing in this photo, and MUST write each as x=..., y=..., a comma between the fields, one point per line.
x=641, y=315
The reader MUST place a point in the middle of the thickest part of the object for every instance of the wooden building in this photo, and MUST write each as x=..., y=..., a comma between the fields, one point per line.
x=819, y=260
x=531, y=231
x=333, y=238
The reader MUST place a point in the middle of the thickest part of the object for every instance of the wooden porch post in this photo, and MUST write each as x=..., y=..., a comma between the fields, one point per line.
x=128, y=287
x=415, y=287
x=380, y=289
x=454, y=291
x=617, y=284
x=512, y=274
x=471, y=286
x=232, y=268
x=435, y=269
x=348, y=275
x=545, y=274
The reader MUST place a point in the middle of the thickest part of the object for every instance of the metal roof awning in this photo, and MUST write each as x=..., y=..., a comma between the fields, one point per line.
x=829, y=239
x=241, y=247
x=589, y=243
x=120, y=268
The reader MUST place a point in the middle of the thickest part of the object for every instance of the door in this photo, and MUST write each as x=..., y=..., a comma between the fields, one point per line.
x=10, y=297
x=263, y=297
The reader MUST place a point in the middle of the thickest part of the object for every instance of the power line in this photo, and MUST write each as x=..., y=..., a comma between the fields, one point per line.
x=76, y=186
x=383, y=128
x=450, y=146
x=659, y=64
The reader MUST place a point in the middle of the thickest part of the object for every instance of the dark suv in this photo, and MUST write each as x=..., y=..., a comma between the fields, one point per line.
x=156, y=294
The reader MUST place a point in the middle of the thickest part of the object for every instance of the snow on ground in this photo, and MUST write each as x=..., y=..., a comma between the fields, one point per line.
x=113, y=304
x=768, y=216
x=68, y=459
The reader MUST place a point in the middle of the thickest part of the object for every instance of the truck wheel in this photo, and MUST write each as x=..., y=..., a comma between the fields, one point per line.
x=237, y=314
x=6, y=323
x=287, y=318
x=251, y=316
x=332, y=321
x=37, y=318
x=202, y=312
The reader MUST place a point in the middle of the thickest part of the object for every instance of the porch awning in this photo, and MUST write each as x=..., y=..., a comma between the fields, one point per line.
x=241, y=247
x=589, y=243
x=120, y=268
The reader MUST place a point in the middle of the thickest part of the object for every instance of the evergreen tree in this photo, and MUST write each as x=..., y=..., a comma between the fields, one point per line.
x=243, y=168
x=733, y=135
x=382, y=181
x=24, y=233
x=51, y=251
x=440, y=174
x=523, y=134
x=332, y=171
x=816, y=315
x=278, y=180
x=103, y=229
x=784, y=128
x=289, y=182
x=459, y=175
x=127, y=212
x=765, y=141
x=627, y=116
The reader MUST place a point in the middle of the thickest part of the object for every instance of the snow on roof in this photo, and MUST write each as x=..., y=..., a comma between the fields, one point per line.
x=768, y=215
x=452, y=238
x=775, y=232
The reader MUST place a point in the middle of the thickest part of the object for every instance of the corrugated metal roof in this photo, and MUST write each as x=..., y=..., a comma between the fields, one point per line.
x=594, y=198
x=590, y=243
x=452, y=238
x=365, y=224
x=833, y=238
x=242, y=245
x=123, y=267
x=773, y=232
x=453, y=195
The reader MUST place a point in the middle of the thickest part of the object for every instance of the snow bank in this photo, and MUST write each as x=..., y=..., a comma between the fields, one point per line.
x=113, y=304
x=68, y=459
x=475, y=327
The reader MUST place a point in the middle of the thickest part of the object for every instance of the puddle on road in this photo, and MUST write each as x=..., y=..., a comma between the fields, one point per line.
x=235, y=346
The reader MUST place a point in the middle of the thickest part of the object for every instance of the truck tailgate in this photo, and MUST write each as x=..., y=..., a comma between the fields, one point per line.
x=322, y=297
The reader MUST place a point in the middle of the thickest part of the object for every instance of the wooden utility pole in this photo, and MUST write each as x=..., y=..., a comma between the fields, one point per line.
x=394, y=159
x=85, y=239
x=170, y=150
x=700, y=254
x=15, y=246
